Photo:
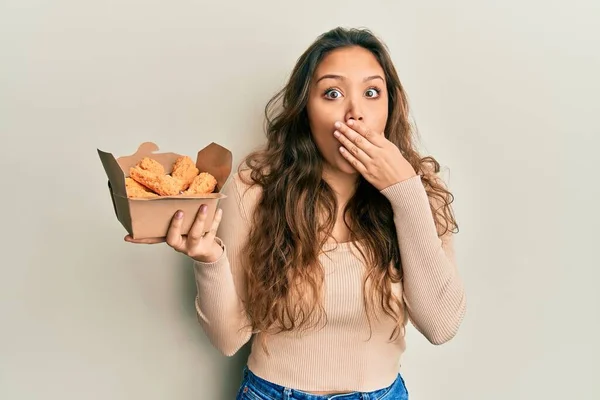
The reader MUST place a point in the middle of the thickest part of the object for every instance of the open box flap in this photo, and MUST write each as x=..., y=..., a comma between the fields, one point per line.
x=114, y=173
x=217, y=161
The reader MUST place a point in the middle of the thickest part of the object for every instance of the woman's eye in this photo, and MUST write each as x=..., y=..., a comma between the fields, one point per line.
x=333, y=94
x=372, y=93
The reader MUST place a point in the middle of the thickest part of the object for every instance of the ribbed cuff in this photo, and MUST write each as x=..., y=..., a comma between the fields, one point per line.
x=219, y=261
x=406, y=195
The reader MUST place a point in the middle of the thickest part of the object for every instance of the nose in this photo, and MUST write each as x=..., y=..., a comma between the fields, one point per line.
x=354, y=111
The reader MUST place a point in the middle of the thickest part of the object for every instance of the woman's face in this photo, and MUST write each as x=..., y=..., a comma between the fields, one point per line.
x=348, y=84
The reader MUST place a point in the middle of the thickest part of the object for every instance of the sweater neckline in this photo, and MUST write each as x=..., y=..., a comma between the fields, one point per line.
x=340, y=246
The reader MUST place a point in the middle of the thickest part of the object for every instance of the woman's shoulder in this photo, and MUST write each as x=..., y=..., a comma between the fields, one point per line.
x=242, y=188
x=243, y=183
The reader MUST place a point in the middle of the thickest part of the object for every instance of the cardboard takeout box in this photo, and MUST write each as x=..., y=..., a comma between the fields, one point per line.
x=151, y=217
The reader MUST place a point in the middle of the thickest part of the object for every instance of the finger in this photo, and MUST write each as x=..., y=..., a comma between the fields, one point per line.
x=196, y=231
x=376, y=139
x=212, y=233
x=352, y=147
x=174, y=238
x=358, y=140
x=130, y=239
x=359, y=166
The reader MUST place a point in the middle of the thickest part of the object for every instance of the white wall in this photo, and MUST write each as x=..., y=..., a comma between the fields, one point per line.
x=505, y=95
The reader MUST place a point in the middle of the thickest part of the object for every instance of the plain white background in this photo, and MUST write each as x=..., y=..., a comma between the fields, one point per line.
x=505, y=95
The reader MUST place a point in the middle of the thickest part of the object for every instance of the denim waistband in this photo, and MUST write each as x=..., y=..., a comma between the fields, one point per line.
x=278, y=392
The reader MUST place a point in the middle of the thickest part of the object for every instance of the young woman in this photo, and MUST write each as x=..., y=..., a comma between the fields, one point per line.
x=332, y=237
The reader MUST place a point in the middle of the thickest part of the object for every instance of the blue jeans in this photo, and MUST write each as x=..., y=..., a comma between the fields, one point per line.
x=256, y=388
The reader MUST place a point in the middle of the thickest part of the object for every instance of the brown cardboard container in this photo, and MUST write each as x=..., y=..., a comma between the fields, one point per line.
x=151, y=217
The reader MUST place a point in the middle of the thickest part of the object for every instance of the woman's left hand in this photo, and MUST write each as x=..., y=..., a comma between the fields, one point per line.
x=377, y=159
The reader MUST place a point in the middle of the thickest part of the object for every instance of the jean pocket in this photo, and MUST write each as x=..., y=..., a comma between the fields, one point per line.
x=397, y=391
x=249, y=392
x=395, y=394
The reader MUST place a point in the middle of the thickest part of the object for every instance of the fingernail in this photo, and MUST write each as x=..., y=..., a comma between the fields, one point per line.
x=336, y=134
x=338, y=124
x=203, y=208
x=179, y=214
x=351, y=122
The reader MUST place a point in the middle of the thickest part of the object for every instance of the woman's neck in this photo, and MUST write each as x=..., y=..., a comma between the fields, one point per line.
x=343, y=184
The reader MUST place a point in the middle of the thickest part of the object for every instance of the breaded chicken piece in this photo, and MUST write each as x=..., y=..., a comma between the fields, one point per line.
x=151, y=165
x=185, y=170
x=202, y=184
x=134, y=189
x=164, y=185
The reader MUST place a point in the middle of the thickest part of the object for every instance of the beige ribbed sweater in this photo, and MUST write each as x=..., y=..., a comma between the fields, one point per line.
x=344, y=355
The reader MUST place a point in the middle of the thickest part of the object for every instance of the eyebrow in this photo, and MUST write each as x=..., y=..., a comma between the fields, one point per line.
x=341, y=78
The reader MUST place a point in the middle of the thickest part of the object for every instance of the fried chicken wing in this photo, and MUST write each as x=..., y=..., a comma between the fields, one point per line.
x=202, y=184
x=149, y=164
x=134, y=189
x=185, y=170
x=164, y=185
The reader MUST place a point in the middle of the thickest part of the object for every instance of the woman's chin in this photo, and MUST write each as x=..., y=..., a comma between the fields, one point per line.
x=344, y=166
x=338, y=164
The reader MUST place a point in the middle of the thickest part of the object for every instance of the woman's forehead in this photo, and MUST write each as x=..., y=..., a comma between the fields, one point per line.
x=354, y=63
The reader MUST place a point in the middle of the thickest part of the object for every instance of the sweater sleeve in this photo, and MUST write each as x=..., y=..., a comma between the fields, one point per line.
x=220, y=284
x=433, y=291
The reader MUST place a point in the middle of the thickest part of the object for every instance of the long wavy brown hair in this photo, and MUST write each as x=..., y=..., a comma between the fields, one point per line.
x=297, y=209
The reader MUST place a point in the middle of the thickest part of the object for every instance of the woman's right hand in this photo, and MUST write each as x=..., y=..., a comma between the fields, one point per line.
x=196, y=244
